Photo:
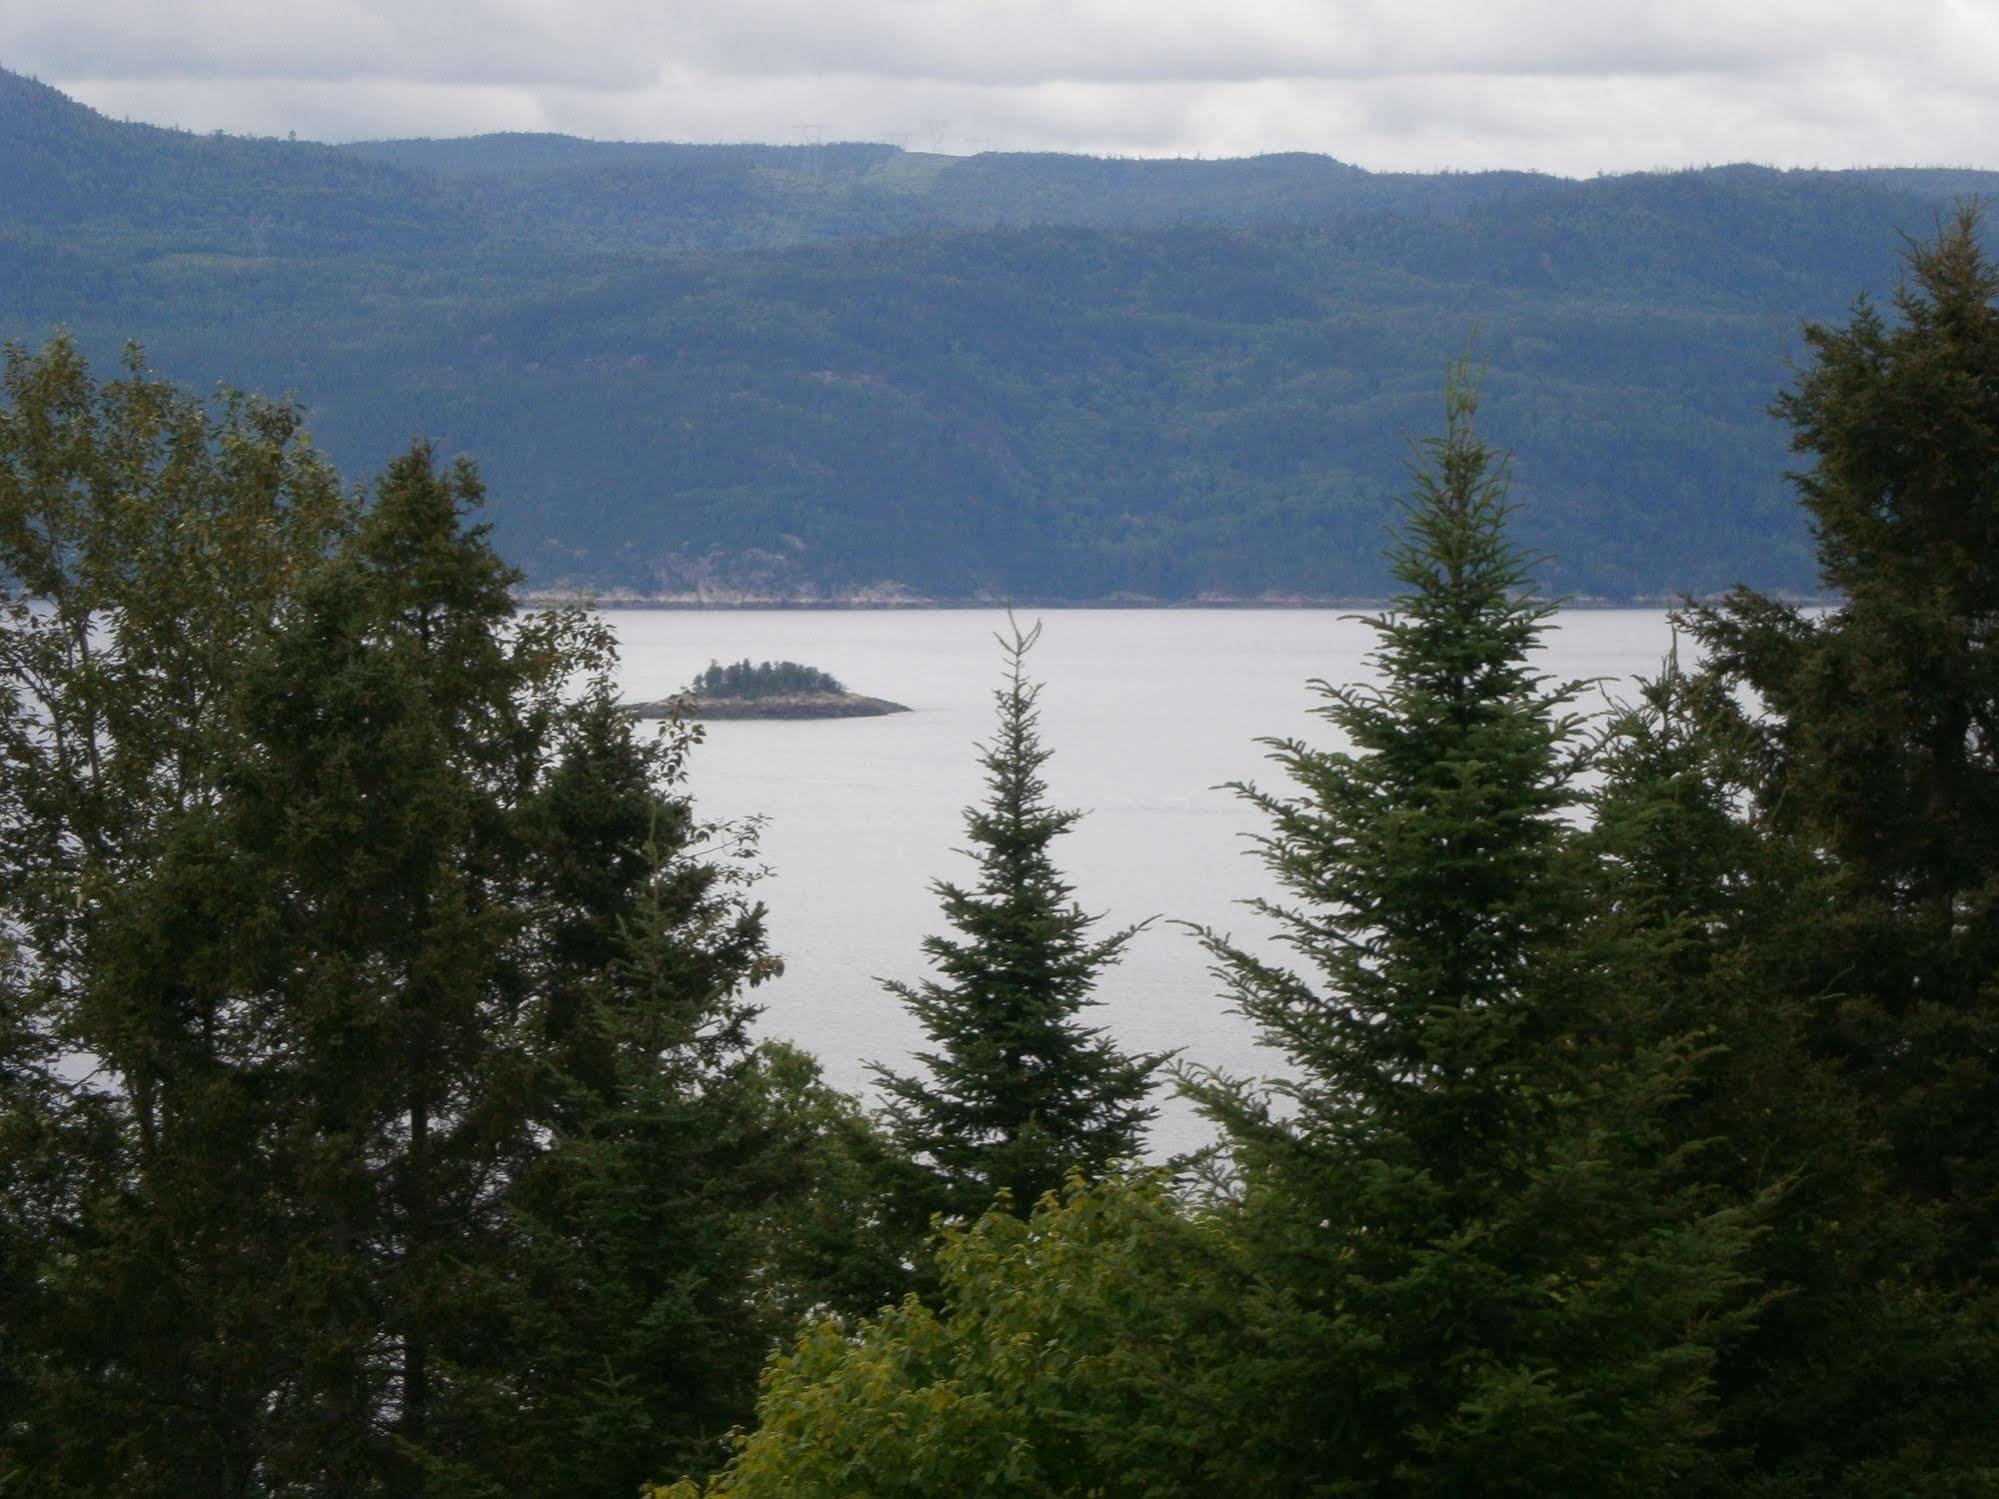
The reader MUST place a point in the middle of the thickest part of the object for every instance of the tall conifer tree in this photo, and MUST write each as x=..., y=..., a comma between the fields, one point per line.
x=652, y=1266
x=1483, y=1279
x=398, y=731
x=524, y=1115
x=146, y=541
x=416, y=997
x=1018, y=1090
x=1874, y=759
x=1814, y=1393
x=1882, y=739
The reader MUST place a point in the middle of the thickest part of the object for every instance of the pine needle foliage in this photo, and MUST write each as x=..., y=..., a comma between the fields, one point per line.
x=1425, y=856
x=1881, y=737
x=1482, y=1278
x=423, y=1146
x=1871, y=734
x=1017, y=1090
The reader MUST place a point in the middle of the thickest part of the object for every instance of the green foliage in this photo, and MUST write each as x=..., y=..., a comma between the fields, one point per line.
x=1019, y=1092
x=1095, y=1347
x=1870, y=754
x=1465, y=1191
x=1719, y=910
x=765, y=679
x=146, y=540
x=831, y=1244
x=424, y=1143
x=171, y=191
x=1879, y=741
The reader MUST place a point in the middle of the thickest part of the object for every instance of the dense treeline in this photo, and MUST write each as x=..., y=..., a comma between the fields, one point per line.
x=792, y=371
x=763, y=679
x=380, y=1111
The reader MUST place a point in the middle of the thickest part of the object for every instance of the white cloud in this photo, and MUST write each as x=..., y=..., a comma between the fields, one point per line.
x=532, y=43
x=1558, y=85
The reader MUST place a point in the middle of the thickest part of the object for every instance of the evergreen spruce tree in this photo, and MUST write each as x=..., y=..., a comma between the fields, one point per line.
x=1018, y=1091
x=1482, y=1276
x=1883, y=734
x=1873, y=758
x=652, y=1271
x=395, y=726
x=523, y=1113
x=1815, y=1397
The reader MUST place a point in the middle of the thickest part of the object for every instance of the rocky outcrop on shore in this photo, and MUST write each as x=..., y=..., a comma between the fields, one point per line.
x=781, y=705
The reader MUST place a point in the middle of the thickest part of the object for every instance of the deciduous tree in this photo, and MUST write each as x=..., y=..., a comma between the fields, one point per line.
x=1094, y=1347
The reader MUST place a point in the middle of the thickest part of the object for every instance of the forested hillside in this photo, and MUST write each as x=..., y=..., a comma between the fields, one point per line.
x=812, y=370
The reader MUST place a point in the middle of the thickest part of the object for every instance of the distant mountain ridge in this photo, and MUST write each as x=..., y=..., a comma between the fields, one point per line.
x=67, y=167
x=811, y=372
x=802, y=193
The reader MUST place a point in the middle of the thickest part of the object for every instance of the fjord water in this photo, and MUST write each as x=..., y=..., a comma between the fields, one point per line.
x=1149, y=713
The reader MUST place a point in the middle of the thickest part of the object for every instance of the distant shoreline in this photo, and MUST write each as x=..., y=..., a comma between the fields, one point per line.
x=612, y=603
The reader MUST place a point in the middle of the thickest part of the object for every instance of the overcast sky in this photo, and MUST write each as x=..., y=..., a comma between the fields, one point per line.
x=1560, y=85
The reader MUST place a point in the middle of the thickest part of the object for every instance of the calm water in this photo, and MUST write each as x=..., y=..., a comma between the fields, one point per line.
x=1149, y=713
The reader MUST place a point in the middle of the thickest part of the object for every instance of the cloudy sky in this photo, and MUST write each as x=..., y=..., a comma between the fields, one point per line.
x=1560, y=85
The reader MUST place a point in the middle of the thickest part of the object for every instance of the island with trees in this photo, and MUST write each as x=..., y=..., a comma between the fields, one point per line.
x=767, y=689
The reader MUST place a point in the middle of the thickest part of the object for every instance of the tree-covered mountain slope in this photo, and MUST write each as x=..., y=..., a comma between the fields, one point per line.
x=68, y=169
x=854, y=370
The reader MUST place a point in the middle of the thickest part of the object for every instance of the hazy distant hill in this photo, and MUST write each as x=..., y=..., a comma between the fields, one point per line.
x=65, y=167
x=556, y=189
x=849, y=367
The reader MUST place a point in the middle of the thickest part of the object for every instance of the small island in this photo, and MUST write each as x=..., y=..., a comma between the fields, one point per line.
x=767, y=689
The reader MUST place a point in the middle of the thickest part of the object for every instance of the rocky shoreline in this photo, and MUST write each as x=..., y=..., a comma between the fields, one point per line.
x=783, y=705
x=616, y=599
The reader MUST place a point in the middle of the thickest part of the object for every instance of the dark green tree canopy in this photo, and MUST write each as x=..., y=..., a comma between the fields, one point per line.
x=1488, y=1281
x=425, y=1149
x=1427, y=854
x=380, y=1114
x=764, y=679
x=1018, y=1090
x=147, y=539
x=1879, y=731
